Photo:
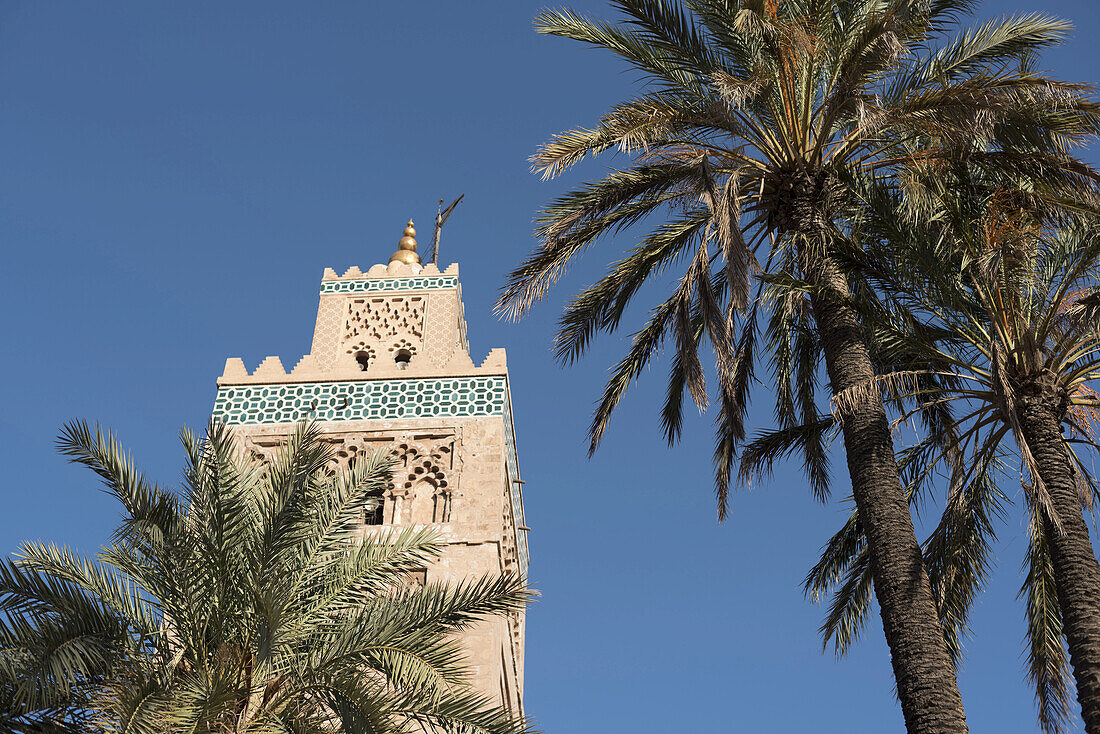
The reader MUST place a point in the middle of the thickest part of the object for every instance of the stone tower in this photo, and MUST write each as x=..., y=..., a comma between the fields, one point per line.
x=390, y=370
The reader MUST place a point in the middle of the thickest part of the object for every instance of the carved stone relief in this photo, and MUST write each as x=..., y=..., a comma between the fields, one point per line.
x=390, y=328
x=425, y=474
x=422, y=481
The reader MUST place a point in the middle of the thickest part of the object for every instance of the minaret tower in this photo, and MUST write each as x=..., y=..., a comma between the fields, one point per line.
x=390, y=370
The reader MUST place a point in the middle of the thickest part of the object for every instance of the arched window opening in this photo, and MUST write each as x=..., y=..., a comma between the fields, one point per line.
x=363, y=359
x=375, y=505
x=402, y=358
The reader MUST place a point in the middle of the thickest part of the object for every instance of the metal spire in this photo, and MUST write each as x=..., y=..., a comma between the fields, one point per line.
x=441, y=217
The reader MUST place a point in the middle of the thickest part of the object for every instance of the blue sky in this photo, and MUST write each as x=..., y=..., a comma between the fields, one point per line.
x=175, y=177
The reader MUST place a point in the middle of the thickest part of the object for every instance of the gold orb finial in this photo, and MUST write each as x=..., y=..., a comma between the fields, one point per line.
x=406, y=248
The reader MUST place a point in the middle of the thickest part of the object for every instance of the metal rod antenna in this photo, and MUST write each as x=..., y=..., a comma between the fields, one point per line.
x=441, y=217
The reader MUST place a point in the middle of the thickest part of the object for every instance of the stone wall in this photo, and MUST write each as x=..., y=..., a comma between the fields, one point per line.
x=389, y=371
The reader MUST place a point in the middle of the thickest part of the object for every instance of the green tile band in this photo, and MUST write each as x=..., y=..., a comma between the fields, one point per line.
x=371, y=285
x=362, y=400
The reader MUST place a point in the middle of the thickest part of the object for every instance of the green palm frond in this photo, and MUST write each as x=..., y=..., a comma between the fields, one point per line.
x=988, y=302
x=958, y=554
x=1047, y=660
x=851, y=600
x=249, y=603
x=743, y=109
x=758, y=458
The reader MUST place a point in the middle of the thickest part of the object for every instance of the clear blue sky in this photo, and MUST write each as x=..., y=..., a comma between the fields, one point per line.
x=175, y=176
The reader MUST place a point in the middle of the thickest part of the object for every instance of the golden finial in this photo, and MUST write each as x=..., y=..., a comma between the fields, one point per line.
x=406, y=248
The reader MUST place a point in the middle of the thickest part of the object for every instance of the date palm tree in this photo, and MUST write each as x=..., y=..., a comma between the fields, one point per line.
x=995, y=329
x=247, y=603
x=753, y=115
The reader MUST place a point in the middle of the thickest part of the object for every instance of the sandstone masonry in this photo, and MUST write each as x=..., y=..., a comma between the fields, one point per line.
x=390, y=370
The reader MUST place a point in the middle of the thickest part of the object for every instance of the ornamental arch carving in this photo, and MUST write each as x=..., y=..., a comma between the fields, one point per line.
x=423, y=479
x=425, y=472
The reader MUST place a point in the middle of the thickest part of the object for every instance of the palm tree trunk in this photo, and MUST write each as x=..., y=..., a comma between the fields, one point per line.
x=925, y=677
x=1076, y=571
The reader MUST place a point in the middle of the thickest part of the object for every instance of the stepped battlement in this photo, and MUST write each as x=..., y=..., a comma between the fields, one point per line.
x=307, y=369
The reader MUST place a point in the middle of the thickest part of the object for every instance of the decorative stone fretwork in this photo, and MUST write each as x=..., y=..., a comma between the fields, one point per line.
x=377, y=326
x=378, y=285
x=423, y=479
x=372, y=319
x=347, y=448
x=380, y=400
x=377, y=399
x=326, y=337
x=425, y=475
x=442, y=334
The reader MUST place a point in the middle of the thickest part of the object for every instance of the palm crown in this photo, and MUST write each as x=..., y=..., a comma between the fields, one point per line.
x=997, y=303
x=249, y=603
x=753, y=115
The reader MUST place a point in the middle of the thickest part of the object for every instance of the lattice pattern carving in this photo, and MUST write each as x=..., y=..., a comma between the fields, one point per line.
x=384, y=325
x=382, y=318
x=326, y=335
x=347, y=449
x=441, y=328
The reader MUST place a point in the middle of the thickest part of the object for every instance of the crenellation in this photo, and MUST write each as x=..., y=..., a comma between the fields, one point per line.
x=495, y=360
x=306, y=367
x=234, y=370
x=460, y=363
x=271, y=367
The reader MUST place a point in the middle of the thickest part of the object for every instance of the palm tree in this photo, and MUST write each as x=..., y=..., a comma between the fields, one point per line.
x=754, y=115
x=1003, y=349
x=248, y=603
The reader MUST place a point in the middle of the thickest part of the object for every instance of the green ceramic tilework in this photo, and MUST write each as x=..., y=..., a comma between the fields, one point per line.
x=372, y=285
x=362, y=400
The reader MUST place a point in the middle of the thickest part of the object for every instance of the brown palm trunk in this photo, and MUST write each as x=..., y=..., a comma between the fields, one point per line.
x=1076, y=571
x=926, y=683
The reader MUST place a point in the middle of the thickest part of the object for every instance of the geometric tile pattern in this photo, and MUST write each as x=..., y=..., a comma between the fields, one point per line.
x=370, y=285
x=362, y=400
